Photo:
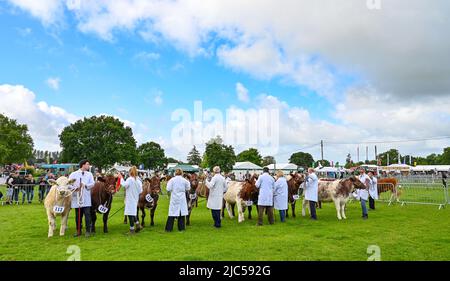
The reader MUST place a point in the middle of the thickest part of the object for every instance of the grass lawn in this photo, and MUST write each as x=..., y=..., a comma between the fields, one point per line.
x=412, y=232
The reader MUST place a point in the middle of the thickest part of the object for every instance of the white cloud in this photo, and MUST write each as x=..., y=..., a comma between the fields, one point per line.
x=44, y=121
x=146, y=56
x=242, y=93
x=48, y=11
x=53, y=83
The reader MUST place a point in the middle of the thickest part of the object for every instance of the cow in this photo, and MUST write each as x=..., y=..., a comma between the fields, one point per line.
x=58, y=203
x=149, y=198
x=202, y=189
x=389, y=184
x=294, y=181
x=337, y=191
x=191, y=195
x=242, y=194
x=101, y=198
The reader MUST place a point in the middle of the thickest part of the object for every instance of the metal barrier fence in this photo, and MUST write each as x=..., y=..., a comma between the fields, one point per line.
x=414, y=193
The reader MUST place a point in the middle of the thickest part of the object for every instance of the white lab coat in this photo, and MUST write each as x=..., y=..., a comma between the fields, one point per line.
x=133, y=188
x=312, y=188
x=177, y=187
x=265, y=184
x=373, y=189
x=364, y=193
x=217, y=187
x=280, y=198
x=84, y=196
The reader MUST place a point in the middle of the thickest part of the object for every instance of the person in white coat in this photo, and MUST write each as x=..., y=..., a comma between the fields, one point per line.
x=312, y=192
x=177, y=186
x=364, y=193
x=81, y=198
x=373, y=190
x=280, y=197
x=265, y=184
x=133, y=188
x=217, y=187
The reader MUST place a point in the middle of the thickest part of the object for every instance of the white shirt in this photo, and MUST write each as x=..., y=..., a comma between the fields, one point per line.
x=217, y=187
x=280, y=198
x=312, y=188
x=265, y=184
x=177, y=187
x=373, y=188
x=133, y=188
x=84, y=195
x=364, y=193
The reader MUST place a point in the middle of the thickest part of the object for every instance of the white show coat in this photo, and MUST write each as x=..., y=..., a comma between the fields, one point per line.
x=280, y=198
x=133, y=187
x=373, y=189
x=217, y=187
x=312, y=188
x=177, y=187
x=265, y=184
x=83, y=196
x=364, y=193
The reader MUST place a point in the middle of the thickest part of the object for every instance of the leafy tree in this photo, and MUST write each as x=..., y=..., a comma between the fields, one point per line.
x=194, y=157
x=16, y=144
x=218, y=154
x=393, y=157
x=103, y=140
x=171, y=160
x=267, y=160
x=152, y=155
x=445, y=157
x=302, y=159
x=250, y=155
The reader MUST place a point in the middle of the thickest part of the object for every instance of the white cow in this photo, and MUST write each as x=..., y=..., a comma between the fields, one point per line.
x=57, y=203
x=240, y=194
x=338, y=191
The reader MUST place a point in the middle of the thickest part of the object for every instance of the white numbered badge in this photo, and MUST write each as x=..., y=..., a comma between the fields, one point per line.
x=102, y=209
x=58, y=209
x=249, y=203
x=149, y=198
x=296, y=197
x=192, y=196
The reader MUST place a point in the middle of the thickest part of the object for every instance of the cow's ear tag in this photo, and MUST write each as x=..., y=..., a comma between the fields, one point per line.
x=102, y=209
x=149, y=198
x=58, y=209
x=249, y=203
x=296, y=197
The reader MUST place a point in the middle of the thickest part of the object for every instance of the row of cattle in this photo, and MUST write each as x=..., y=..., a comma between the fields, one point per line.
x=242, y=195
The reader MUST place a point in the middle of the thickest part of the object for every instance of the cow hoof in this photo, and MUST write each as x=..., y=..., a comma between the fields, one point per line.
x=152, y=224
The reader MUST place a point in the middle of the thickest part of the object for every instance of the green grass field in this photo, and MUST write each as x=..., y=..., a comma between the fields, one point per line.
x=412, y=232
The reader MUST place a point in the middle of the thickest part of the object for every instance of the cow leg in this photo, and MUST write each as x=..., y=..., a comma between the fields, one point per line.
x=293, y=209
x=343, y=204
x=105, y=222
x=64, y=220
x=152, y=215
x=304, y=207
x=249, y=212
x=228, y=206
x=125, y=220
x=51, y=223
x=93, y=219
x=287, y=211
x=338, y=208
x=143, y=216
x=240, y=211
x=232, y=209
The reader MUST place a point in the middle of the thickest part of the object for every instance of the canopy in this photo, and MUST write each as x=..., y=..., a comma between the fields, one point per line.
x=246, y=166
x=185, y=168
x=429, y=168
x=283, y=166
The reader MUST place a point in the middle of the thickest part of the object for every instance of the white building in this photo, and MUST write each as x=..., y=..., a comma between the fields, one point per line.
x=240, y=169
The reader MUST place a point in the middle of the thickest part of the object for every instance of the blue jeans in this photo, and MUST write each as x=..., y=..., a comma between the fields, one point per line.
x=364, y=207
x=283, y=215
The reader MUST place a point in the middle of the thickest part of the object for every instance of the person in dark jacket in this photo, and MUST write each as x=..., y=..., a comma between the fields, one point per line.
x=42, y=189
x=30, y=183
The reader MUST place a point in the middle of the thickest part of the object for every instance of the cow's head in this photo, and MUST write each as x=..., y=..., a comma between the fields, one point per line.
x=62, y=186
x=110, y=182
x=357, y=184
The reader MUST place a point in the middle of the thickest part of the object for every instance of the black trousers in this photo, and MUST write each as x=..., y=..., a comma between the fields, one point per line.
x=79, y=213
x=216, y=218
x=181, y=223
x=312, y=208
x=371, y=203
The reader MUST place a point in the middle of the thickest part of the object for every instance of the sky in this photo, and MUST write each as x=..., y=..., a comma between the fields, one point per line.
x=277, y=75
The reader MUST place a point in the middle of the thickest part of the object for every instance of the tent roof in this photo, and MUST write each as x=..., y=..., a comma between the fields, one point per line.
x=185, y=168
x=283, y=166
x=439, y=168
x=327, y=170
x=246, y=166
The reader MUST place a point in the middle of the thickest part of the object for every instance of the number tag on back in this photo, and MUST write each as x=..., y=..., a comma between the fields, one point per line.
x=296, y=197
x=102, y=209
x=58, y=209
x=149, y=198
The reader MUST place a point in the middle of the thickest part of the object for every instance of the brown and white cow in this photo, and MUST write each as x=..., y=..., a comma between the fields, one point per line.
x=241, y=194
x=337, y=191
x=294, y=181
x=58, y=203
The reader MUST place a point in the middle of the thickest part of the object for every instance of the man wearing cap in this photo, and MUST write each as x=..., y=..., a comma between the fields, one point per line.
x=265, y=184
x=217, y=187
x=81, y=198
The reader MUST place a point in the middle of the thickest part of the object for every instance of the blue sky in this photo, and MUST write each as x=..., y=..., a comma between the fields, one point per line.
x=101, y=65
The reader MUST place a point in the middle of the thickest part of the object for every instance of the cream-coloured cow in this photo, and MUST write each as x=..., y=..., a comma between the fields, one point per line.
x=57, y=203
